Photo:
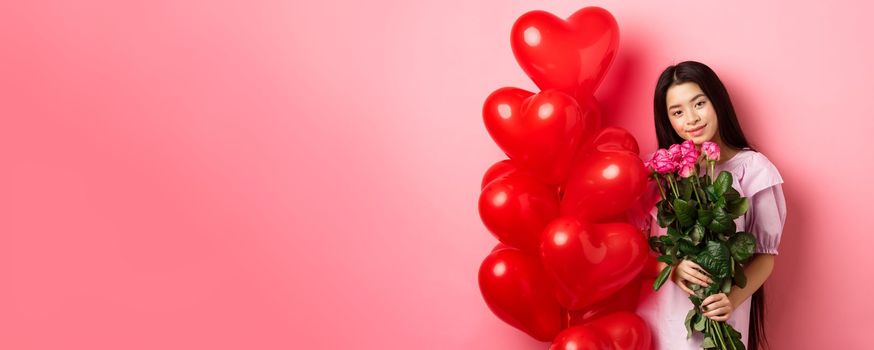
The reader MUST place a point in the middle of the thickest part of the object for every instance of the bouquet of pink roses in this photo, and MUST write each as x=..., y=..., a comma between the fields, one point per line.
x=699, y=213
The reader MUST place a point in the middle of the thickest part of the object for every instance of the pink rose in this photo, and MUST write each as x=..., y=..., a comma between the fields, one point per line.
x=676, y=153
x=662, y=162
x=711, y=149
x=687, y=169
x=687, y=164
x=688, y=150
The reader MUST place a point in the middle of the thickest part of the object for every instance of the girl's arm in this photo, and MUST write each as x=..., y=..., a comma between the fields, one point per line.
x=757, y=271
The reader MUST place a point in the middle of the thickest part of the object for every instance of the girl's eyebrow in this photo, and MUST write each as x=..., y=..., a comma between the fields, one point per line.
x=690, y=100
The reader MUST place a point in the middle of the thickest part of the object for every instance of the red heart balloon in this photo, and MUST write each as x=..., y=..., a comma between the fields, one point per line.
x=572, y=56
x=615, y=139
x=626, y=299
x=626, y=330
x=499, y=246
x=646, y=290
x=590, y=262
x=621, y=217
x=516, y=289
x=497, y=170
x=602, y=185
x=540, y=132
x=515, y=208
x=581, y=338
x=651, y=267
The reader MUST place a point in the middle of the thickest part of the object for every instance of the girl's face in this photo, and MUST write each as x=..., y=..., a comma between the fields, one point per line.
x=691, y=113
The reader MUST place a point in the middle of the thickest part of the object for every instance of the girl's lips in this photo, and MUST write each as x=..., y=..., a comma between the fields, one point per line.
x=698, y=131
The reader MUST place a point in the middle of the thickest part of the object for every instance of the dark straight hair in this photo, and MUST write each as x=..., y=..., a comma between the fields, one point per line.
x=732, y=136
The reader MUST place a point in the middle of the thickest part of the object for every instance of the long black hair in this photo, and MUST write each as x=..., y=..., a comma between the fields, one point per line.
x=732, y=136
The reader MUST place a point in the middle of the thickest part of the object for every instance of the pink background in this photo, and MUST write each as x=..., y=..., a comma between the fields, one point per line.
x=276, y=175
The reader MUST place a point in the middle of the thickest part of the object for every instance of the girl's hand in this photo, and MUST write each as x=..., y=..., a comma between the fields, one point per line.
x=717, y=307
x=688, y=270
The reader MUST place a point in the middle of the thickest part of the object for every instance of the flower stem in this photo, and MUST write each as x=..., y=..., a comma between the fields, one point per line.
x=695, y=189
x=661, y=189
x=673, y=187
x=728, y=334
x=718, y=328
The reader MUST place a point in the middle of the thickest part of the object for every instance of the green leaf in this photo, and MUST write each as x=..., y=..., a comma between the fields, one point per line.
x=699, y=326
x=666, y=240
x=723, y=183
x=712, y=288
x=715, y=259
x=722, y=222
x=656, y=244
x=686, y=188
x=695, y=300
x=685, y=212
x=665, y=215
x=731, y=195
x=665, y=218
x=663, y=276
x=726, y=285
x=687, y=247
x=673, y=233
x=712, y=196
x=667, y=259
x=708, y=343
x=697, y=233
x=743, y=246
x=704, y=216
x=690, y=317
x=738, y=207
x=740, y=278
x=735, y=337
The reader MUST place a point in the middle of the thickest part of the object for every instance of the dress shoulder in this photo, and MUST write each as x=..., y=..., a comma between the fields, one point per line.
x=759, y=173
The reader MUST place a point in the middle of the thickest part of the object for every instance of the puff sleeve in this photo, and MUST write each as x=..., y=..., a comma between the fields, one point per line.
x=767, y=211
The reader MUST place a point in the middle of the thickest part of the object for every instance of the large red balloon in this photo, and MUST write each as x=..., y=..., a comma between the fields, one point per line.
x=497, y=170
x=590, y=262
x=516, y=289
x=572, y=56
x=617, y=331
x=541, y=132
x=582, y=338
x=515, y=208
x=499, y=246
x=626, y=299
x=602, y=185
x=613, y=138
x=626, y=331
x=651, y=267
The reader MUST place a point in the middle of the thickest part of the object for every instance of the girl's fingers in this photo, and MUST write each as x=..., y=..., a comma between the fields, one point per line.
x=710, y=299
x=719, y=312
x=702, y=277
x=690, y=270
x=717, y=299
x=699, y=268
x=691, y=278
x=699, y=273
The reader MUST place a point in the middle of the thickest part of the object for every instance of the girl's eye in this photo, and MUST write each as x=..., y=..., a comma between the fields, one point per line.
x=677, y=113
x=699, y=104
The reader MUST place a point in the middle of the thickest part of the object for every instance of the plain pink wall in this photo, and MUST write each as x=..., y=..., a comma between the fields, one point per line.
x=275, y=175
